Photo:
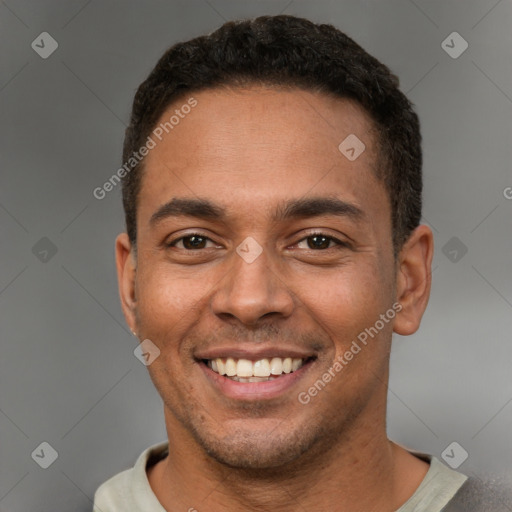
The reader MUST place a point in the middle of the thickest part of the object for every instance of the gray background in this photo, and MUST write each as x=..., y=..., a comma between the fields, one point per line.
x=68, y=375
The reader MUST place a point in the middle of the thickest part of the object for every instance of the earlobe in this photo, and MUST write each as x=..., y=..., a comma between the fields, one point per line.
x=414, y=279
x=126, y=272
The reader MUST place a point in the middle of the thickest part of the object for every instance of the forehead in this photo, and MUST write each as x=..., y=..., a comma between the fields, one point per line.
x=254, y=145
x=276, y=118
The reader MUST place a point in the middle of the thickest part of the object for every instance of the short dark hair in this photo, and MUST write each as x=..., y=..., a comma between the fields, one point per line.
x=287, y=51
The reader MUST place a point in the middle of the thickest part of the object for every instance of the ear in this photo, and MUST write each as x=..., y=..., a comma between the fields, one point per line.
x=126, y=271
x=414, y=278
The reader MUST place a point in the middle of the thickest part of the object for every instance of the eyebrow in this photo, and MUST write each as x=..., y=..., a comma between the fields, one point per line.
x=293, y=209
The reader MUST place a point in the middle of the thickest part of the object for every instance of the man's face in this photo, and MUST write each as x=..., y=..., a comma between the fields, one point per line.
x=322, y=276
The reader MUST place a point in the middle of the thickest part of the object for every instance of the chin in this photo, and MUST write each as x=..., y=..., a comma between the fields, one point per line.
x=258, y=449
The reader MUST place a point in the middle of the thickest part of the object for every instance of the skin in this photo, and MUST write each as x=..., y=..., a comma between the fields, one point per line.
x=249, y=150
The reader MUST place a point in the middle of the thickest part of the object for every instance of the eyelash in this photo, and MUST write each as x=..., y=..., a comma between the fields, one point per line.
x=339, y=243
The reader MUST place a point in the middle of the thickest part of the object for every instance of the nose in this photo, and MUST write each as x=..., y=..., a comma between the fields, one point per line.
x=251, y=291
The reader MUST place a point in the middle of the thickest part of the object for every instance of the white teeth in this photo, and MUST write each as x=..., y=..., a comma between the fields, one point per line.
x=230, y=367
x=251, y=379
x=261, y=368
x=276, y=366
x=245, y=370
x=220, y=365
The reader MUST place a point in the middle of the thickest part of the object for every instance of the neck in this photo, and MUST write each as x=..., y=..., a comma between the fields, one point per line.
x=363, y=471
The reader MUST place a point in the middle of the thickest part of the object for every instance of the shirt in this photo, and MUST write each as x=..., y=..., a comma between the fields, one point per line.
x=129, y=491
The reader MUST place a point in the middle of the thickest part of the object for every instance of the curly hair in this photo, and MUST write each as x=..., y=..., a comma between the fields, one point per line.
x=295, y=52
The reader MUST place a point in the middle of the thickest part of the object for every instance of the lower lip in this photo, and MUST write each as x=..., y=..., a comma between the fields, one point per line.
x=265, y=390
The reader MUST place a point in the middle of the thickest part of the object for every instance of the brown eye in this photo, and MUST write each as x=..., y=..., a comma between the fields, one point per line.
x=191, y=242
x=320, y=241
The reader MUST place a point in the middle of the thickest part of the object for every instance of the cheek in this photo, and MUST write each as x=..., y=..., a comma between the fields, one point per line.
x=168, y=305
x=348, y=307
x=345, y=301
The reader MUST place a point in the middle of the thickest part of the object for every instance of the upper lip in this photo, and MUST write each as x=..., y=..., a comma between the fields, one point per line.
x=253, y=355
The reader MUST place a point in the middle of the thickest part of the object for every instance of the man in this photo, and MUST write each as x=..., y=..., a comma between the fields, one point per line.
x=272, y=193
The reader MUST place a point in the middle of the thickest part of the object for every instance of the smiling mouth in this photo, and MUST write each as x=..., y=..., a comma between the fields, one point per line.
x=262, y=370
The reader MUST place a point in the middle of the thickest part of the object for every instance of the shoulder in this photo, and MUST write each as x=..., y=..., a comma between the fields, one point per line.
x=439, y=485
x=130, y=490
x=111, y=495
